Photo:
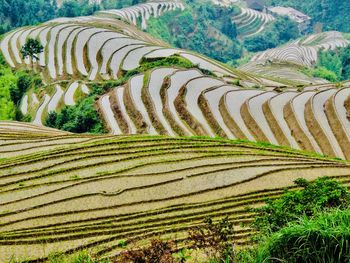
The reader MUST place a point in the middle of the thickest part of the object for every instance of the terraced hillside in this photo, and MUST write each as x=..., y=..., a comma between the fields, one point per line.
x=172, y=101
x=249, y=22
x=286, y=62
x=61, y=192
x=304, y=51
x=143, y=11
x=93, y=48
x=204, y=98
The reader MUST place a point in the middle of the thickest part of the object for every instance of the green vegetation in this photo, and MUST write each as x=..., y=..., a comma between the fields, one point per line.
x=311, y=199
x=172, y=61
x=332, y=65
x=323, y=238
x=79, y=257
x=31, y=49
x=331, y=13
x=72, y=8
x=80, y=118
x=209, y=28
x=214, y=239
x=95, y=159
x=13, y=85
x=16, y=13
x=310, y=224
x=83, y=117
x=275, y=34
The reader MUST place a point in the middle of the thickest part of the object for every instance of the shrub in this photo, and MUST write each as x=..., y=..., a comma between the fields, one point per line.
x=214, y=239
x=275, y=34
x=80, y=118
x=157, y=252
x=322, y=72
x=322, y=194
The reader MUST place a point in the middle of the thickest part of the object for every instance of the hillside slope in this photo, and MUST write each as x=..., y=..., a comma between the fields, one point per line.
x=148, y=87
x=330, y=13
x=61, y=192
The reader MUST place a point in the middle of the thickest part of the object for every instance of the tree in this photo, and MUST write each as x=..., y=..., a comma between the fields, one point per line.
x=31, y=49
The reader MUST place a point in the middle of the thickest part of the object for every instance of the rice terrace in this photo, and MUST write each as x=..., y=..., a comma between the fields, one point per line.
x=174, y=131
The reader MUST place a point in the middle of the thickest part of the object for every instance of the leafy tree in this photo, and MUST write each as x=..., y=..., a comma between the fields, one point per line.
x=51, y=119
x=31, y=49
x=320, y=195
x=229, y=28
x=331, y=61
x=345, y=60
x=80, y=118
x=333, y=65
x=275, y=34
x=330, y=13
x=324, y=73
x=13, y=84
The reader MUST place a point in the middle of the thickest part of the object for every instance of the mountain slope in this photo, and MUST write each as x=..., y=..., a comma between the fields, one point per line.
x=61, y=192
x=156, y=89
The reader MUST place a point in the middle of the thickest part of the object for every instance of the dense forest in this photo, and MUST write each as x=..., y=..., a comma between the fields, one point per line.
x=16, y=13
x=331, y=13
x=210, y=29
x=213, y=33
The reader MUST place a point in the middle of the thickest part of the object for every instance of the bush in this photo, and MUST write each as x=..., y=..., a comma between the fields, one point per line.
x=320, y=195
x=275, y=34
x=157, y=252
x=13, y=85
x=80, y=118
x=324, y=238
x=214, y=239
x=322, y=72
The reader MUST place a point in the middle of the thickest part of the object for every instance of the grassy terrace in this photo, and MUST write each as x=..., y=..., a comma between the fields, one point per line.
x=61, y=192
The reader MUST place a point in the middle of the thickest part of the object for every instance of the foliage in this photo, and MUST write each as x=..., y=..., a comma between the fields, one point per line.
x=275, y=34
x=80, y=118
x=331, y=13
x=183, y=255
x=17, y=13
x=214, y=239
x=7, y=83
x=31, y=49
x=73, y=8
x=322, y=194
x=333, y=65
x=209, y=28
x=324, y=73
x=13, y=84
x=330, y=61
x=324, y=238
x=157, y=252
x=172, y=61
x=79, y=257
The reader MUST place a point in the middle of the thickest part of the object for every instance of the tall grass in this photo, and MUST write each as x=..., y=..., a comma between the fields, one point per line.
x=324, y=239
